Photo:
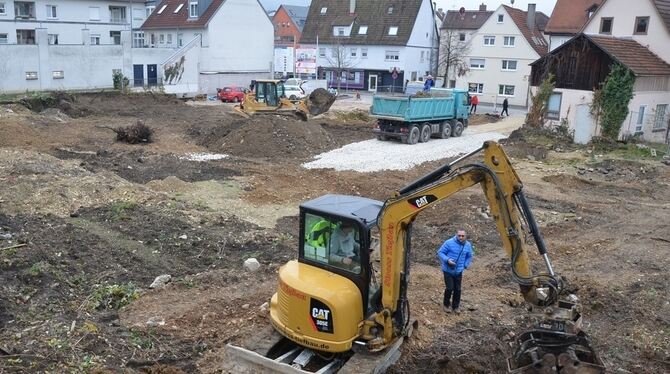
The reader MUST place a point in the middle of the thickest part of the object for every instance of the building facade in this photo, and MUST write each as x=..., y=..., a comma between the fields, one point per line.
x=500, y=53
x=372, y=45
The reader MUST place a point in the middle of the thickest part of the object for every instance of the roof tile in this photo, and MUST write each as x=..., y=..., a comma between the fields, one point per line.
x=471, y=19
x=635, y=56
x=569, y=16
x=534, y=36
x=663, y=7
x=169, y=19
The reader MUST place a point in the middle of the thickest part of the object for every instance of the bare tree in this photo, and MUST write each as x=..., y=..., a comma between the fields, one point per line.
x=453, y=54
x=340, y=60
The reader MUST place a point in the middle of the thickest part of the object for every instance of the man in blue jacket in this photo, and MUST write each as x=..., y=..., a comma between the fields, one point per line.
x=455, y=255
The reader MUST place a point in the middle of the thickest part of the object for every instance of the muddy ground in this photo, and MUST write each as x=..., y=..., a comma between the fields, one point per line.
x=87, y=223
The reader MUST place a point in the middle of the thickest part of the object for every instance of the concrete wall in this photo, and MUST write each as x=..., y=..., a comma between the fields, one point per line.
x=657, y=38
x=492, y=75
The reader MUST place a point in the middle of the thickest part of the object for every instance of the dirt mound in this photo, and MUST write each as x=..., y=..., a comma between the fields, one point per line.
x=269, y=137
x=567, y=180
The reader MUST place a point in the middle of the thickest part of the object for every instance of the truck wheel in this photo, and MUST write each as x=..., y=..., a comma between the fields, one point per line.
x=413, y=136
x=292, y=98
x=382, y=138
x=425, y=133
x=458, y=129
x=446, y=130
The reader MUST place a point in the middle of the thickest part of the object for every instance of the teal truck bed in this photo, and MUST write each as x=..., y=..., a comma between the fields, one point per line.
x=415, y=119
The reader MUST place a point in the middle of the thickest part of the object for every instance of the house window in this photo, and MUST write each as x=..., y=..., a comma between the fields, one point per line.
x=324, y=10
x=138, y=39
x=3, y=38
x=57, y=74
x=94, y=13
x=489, y=40
x=117, y=14
x=31, y=75
x=640, y=118
x=461, y=37
x=554, y=106
x=178, y=8
x=25, y=36
x=641, y=25
x=193, y=9
x=423, y=54
x=161, y=38
x=477, y=63
x=476, y=88
x=354, y=52
x=95, y=39
x=393, y=30
x=362, y=30
x=392, y=56
x=606, y=25
x=338, y=31
x=659, y=120
x=505, y=90
x=116, y=37
x=52, y=39
x=169, y=38
x=501, y=18
x=149, y=10
x=509, y=65
x=24, y=9
x=390, y=10
x=3, y=11
x=508, y=41
x=180, y=40
x=364, y=53
x=452, y=83
x=322, y=52
x=51, y=12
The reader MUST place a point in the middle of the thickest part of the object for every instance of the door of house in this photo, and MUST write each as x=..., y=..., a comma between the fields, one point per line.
x=372, y=83
x=138, y=75
x=584, y=124
x=152, y=74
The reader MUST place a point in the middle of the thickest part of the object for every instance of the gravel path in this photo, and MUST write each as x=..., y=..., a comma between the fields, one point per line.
x=374, y=155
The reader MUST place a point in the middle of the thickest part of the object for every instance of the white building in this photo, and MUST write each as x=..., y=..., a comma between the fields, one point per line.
x=567, y=20
x=639, y=39
x=501, y=51
x=372, y=45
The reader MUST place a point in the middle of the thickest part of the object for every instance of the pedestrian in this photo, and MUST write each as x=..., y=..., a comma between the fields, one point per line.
x=455, y=256
x=473, y=104
x=428, y=83
x=505, y=106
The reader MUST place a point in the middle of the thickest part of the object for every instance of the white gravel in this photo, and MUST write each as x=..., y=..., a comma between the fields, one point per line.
x=204, y=157
x=374, y=155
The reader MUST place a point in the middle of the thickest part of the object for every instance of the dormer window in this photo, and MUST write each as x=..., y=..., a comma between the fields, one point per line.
x=193, y=9
x=390, y=10
x=363, y=30
x=324, y=10
x=393, y=30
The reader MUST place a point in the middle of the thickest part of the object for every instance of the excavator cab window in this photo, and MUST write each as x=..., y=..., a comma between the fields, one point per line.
x=271, y=98
x=332, y=242
x=260, y=92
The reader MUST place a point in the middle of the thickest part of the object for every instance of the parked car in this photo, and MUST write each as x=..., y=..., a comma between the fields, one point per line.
x=228, y=94
x=294, y=92
x=295, y=82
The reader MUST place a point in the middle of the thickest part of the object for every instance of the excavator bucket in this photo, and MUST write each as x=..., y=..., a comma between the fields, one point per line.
x=319, y=101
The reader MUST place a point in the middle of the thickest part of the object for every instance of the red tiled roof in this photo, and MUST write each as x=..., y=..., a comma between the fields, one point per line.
x=534, y=36
x=638, y=58
x=169, y=19
x=569, y=16
x=471, y=20
x=663, y=7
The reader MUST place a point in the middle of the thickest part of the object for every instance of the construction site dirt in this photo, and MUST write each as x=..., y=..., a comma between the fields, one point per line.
x=87, y=223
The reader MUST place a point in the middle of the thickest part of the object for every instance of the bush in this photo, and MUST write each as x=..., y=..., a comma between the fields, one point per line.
x=121, y=82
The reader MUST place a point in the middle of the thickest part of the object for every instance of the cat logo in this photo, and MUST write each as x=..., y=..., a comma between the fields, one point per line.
x=421, y=201
x=321, y=318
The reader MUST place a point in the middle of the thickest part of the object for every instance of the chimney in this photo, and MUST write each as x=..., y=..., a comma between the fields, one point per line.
x=530, y=17
x=352, y=6
x=482, y=7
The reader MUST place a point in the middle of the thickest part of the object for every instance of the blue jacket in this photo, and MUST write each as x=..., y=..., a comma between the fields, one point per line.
x=450, y=250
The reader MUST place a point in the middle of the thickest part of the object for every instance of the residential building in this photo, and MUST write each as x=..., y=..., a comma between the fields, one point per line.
x=456, y=32
x=637, y=38
x=288, y=21
x=372, y=45
x=567, y=20
x=500, y=53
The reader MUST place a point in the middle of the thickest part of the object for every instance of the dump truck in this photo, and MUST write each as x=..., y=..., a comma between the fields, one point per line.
x=415, y=119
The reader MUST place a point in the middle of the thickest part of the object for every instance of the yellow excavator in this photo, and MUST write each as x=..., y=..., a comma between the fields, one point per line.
x=330, y=316
x=268, y=96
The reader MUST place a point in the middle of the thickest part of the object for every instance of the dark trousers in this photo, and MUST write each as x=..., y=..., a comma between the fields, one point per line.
x=504, y=111
x=453, y=285
x=473, y=108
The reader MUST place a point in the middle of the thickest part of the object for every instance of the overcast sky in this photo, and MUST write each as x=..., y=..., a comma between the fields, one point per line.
x=545, y=6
